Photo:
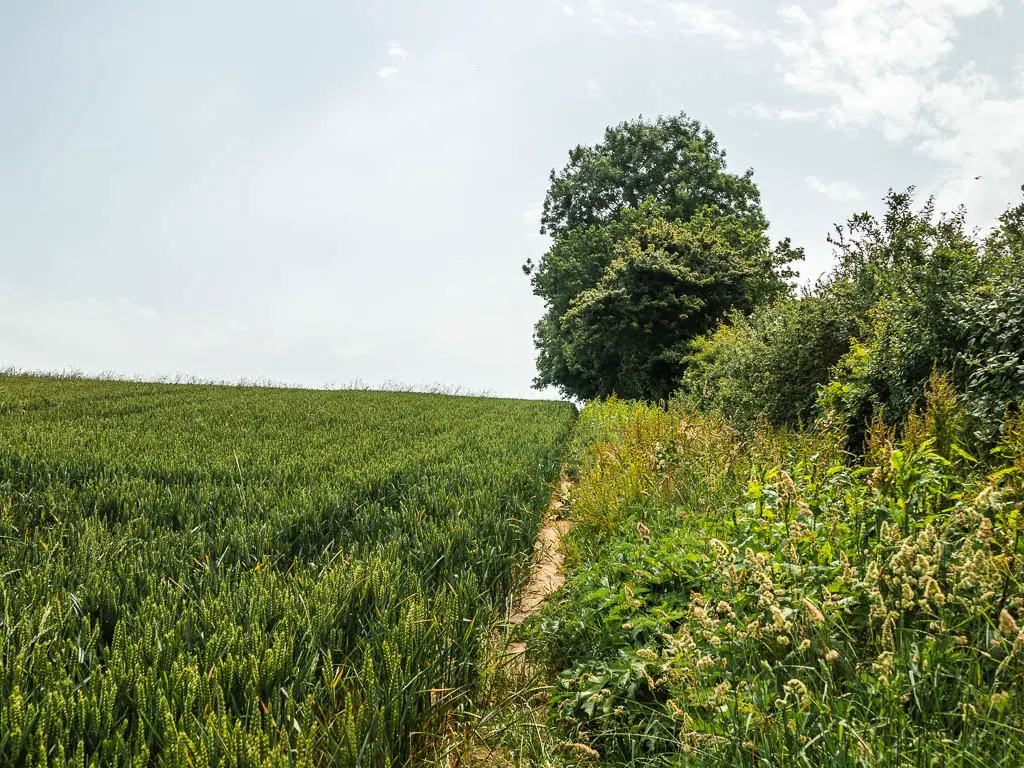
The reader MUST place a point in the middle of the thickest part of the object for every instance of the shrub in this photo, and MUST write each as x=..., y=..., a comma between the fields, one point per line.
x=771, y=364
x=912, y=292
x=944, y=299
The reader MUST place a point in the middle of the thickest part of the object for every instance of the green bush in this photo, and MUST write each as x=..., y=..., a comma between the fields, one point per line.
x=771, y=364
x=912, y=292
x=946, y=300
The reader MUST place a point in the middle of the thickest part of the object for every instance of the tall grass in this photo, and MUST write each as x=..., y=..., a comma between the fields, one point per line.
x=772, y=600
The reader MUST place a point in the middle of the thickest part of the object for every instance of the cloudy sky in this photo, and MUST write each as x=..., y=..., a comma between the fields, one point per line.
x=318, y=192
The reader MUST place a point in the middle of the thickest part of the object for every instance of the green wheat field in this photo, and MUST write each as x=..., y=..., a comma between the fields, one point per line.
x=198, y=575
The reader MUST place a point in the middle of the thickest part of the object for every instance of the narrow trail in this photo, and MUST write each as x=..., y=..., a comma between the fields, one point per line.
x=482, y=747
x=546, y=576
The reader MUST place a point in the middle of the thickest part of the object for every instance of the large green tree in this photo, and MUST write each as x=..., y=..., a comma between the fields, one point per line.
x=674, y=161
x=654, y=241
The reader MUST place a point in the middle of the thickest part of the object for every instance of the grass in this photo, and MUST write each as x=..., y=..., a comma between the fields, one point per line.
x=771, y=600
x=199, y=575
x=237, y=576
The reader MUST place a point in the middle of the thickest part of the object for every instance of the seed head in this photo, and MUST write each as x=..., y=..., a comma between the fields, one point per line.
x=1007, y=624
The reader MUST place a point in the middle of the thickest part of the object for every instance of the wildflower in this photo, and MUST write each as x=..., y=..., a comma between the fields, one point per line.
x=754, y=629
x=1000, y=700
x=582, y=749
x=831, y=656
x=805, y=644
x=848, y=575
x=871, y=575
x=724, y=609
x=883, y=665
x=879, y=610
x=720, y=547
x=644, y=532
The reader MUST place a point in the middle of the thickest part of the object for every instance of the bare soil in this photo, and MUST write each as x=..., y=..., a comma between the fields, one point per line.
x=546, y=575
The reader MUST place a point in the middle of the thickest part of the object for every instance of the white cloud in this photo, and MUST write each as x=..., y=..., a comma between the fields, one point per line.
x=717, y=23
x=385, y=72
x=673, y=16
x=888, y=65
x=396, y=50
x=567, y=10
x=765, y=112
x=873, y=60
x=94, y=335
x=837, y=191
x=132, y=306
x=612, y=20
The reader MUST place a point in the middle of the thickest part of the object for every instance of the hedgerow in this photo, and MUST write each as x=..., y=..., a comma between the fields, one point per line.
x=770, y=599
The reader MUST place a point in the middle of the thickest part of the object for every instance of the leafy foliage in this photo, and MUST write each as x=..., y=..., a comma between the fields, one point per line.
x=992, y=360
x=674, y=162
x=653, y=242
x=912, y=292
x=764, y=601
x=669, y=282
x=226, y=576
x=770, y=364
x=920, y=268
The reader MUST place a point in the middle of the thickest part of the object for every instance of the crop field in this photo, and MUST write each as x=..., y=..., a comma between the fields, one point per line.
x=199, y=575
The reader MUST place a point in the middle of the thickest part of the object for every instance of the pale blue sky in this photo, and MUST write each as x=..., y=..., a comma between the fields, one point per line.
x=319, y=192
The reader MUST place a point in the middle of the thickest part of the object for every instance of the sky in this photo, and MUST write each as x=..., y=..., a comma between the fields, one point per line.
x=324, y=193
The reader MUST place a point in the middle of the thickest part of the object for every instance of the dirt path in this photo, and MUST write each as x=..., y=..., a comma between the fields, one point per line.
x=513, y=679
x=546, y=574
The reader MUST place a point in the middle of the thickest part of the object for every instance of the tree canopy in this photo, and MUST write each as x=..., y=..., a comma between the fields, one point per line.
x=653, y=243
x=674, y=161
